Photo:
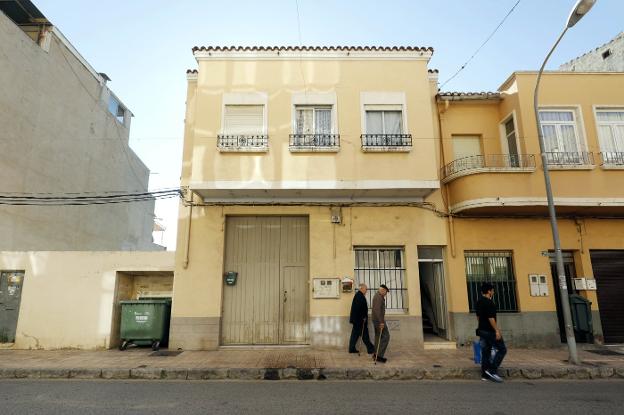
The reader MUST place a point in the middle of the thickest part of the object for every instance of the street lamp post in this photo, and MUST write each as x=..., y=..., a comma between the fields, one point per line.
x=579, y=10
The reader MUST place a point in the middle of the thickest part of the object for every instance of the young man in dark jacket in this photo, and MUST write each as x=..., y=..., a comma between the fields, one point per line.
x=359, y=319
x=489, y=335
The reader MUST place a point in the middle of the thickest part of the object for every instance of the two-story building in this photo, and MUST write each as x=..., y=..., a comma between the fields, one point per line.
x=494, y=189
x=306, y=168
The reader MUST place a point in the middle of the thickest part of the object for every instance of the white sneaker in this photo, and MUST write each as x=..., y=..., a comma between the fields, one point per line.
x=494, y=377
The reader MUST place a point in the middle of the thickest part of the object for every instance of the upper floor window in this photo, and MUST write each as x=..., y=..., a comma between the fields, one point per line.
x=243, y=129
x=384, y=119
x=611, y=135
x=561, y=137
x=313, y=120
x=243, y=120
x=115, y=108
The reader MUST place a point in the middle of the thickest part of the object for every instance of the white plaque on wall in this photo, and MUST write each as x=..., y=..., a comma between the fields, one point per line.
x=326, y=288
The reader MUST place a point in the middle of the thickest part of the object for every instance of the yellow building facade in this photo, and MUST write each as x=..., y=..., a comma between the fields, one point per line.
x=310, y=170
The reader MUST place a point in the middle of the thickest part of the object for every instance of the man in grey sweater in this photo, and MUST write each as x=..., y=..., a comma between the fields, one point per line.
x=382, y=335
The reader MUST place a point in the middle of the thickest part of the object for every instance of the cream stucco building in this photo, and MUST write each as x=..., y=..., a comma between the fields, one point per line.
x=309, y=167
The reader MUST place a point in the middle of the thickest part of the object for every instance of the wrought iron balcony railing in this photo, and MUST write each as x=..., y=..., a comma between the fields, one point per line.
x=565, y=158
x=612, y=158
x=386, y=140
x=315, y=140
x=242, y=142
x=489, y=161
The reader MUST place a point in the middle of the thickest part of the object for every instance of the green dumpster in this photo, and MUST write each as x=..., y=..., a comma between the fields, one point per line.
x=582, y=318
x=145, y=323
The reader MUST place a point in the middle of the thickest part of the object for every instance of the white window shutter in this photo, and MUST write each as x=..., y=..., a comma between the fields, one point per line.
x=243, y=120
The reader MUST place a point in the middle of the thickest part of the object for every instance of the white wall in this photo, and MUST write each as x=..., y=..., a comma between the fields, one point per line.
x=67, y=297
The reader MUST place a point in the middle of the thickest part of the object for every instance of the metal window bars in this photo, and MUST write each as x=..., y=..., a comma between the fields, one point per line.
x=314, y=140
x=376, y=266
x=495, y=267
x=494, y=161
x=569, y=158
x=242, y=141
x=612, y=158
x=386, y=140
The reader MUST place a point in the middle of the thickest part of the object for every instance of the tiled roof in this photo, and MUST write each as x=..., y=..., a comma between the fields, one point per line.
x=433, y=71
x=312, y=48
x=189, y=71
x=454, y=95
x=483, y=94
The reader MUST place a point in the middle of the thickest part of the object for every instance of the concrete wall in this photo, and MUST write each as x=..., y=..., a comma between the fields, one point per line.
x=69, y=298
x=58, y=136
x=593, y=61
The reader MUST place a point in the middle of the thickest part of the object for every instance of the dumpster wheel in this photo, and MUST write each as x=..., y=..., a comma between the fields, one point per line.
x=155, y=345
x=123, y=345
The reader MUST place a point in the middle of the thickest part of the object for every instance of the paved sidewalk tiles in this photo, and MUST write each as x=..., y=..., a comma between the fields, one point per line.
x=298, y=363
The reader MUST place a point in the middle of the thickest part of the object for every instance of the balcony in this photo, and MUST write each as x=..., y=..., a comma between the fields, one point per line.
x=386, y=142
x=612, y=160
x=243, y=143
x=328, y=143
x=564, y=160
x=491, y=163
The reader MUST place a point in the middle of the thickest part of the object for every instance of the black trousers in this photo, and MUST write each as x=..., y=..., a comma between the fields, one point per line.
x=356, y=332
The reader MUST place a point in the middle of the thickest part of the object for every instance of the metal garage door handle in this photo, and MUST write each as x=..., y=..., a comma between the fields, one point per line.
x=285, y=292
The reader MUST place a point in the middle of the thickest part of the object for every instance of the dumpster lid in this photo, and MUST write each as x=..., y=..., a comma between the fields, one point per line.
x=147, y=301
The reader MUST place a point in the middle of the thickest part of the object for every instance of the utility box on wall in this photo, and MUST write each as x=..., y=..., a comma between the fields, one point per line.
x=538, y=285
x=326, y=288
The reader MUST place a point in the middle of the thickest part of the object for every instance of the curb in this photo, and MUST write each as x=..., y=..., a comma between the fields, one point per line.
x=153, y=373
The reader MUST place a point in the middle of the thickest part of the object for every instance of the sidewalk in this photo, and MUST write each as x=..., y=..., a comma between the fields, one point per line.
x=299, y=363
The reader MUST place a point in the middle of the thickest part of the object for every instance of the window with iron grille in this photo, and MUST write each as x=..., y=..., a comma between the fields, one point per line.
x=376, y=266
x=495, y=267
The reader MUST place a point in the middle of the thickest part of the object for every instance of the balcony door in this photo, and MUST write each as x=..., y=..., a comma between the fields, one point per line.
x=466, y=152
x=512, y=142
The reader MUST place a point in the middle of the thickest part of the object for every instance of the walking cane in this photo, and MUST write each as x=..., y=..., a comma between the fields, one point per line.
x=377, y=348
x=362, y=335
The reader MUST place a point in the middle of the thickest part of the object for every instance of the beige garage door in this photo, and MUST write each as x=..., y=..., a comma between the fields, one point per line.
x=269, y=303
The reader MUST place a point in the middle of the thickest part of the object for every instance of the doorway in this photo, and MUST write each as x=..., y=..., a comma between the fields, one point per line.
x=268, y=302
x=432, y=293
x=608, y=266
x=10, y=297
x=570, y=274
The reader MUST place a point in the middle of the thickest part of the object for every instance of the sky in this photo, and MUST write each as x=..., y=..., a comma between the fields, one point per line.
x=144, y=46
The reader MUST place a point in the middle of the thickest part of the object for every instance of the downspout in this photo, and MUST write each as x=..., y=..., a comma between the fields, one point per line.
x=187, y=240
x=451, y=224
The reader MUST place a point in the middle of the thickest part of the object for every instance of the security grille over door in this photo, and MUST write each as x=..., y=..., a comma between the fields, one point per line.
x=269, y=302
x=376, y=266
x=10, y=297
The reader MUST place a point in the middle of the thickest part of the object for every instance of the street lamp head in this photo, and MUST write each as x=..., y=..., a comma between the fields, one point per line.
x=580, y=9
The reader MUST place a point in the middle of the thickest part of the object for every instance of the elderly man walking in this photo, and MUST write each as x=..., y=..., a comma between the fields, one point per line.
x=382, y=335
x=359, y=319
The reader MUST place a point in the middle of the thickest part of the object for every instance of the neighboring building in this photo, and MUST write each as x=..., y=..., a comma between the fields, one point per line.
x=494, y=185
x=70, y=299
x=606, y=58
x=308, y=166
x=63, y=131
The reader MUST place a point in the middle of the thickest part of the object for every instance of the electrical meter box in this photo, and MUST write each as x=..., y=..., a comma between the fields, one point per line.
x=538, y=285
x=326, y=288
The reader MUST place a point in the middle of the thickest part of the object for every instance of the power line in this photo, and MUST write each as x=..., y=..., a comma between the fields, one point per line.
x=482, y=45
x=65, y=199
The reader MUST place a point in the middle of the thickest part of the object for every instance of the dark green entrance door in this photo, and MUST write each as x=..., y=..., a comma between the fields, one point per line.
x=10, y=295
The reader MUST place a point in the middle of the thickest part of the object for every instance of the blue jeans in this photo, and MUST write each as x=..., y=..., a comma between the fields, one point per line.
x=487, y=340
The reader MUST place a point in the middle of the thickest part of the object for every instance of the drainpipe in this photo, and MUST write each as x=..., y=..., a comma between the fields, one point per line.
x=451, y=224
x=187, y=241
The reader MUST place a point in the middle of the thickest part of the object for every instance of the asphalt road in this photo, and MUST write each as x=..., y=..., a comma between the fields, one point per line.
x=70, y=397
